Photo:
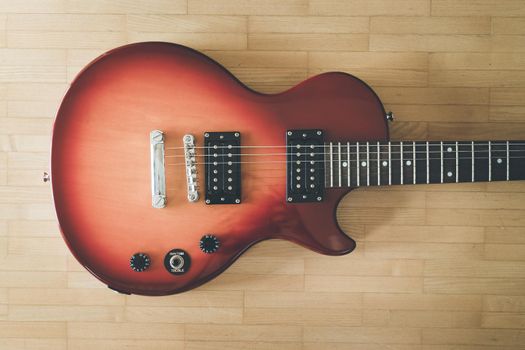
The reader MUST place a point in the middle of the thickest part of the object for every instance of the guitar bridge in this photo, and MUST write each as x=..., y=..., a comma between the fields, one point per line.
x=191, y=167
x=158, y=174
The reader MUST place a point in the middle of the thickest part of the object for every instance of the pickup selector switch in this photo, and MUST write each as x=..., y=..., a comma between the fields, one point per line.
x=209, y=244
x=139, y=262
x=177, y=262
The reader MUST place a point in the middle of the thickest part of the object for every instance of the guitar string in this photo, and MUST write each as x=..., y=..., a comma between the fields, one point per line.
x=345, y=153
x=374, y=143
x=335, y=160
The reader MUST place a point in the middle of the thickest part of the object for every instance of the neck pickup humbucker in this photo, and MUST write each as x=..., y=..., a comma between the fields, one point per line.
x=304, y=166
x=222, y=158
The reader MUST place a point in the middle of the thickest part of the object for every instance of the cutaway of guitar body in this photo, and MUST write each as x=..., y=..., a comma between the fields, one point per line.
x=101, y=163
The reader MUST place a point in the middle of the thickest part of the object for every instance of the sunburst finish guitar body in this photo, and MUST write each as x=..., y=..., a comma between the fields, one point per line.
x=165, y=168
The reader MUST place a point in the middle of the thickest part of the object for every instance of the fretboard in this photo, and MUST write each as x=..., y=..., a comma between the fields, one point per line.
x=355, y=164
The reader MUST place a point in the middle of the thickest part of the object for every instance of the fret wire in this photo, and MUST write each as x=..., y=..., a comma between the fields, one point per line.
x=348, y=158
x=490, y=161
x=326, y=180
x=339, y=161
x=441, y=145
x=367, y=164
x=389, y=163
x=358, y=172
x=508, y=160
x=457, y=162
x=414, y=161
x=378, y=165
x=428, y=165
x=472, y=161
x=331, y=167
x=401, y=163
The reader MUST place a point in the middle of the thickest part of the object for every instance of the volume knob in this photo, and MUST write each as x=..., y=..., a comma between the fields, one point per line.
x=139, y=262
x=209, y=244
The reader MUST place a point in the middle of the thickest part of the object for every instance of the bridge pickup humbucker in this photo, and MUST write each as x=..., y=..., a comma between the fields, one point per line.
x=304, y=166
x=222, y=159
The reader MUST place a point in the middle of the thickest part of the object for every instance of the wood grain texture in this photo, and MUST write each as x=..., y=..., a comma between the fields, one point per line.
x=436, y=268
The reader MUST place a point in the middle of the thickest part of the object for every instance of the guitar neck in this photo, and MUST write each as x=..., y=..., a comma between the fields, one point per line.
x=355, y=164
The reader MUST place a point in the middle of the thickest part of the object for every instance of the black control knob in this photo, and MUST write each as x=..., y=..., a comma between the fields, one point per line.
x=139, y=262
x=209, y=244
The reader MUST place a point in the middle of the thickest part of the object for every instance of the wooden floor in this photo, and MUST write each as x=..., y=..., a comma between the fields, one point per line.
x=437, y=267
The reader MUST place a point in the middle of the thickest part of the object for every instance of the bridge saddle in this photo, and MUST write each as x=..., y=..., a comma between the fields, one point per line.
x=191, y=167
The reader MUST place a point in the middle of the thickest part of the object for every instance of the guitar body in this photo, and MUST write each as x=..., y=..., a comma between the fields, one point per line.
x=101, y=163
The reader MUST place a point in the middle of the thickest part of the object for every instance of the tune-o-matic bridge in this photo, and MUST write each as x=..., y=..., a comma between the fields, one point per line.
x=191, y=167
x=222, y=158
x=304, y=165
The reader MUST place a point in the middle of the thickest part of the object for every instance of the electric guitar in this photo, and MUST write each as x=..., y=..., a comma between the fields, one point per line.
x=165, y=168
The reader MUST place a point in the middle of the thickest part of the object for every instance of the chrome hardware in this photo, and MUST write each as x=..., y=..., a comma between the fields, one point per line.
x=177, y=261
x=158, y=175
x=390, y=116
x=191, y=167
x=46, y=177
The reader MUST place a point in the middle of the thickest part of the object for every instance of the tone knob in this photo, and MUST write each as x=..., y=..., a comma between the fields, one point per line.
x=209, y=244
x=139, y=262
